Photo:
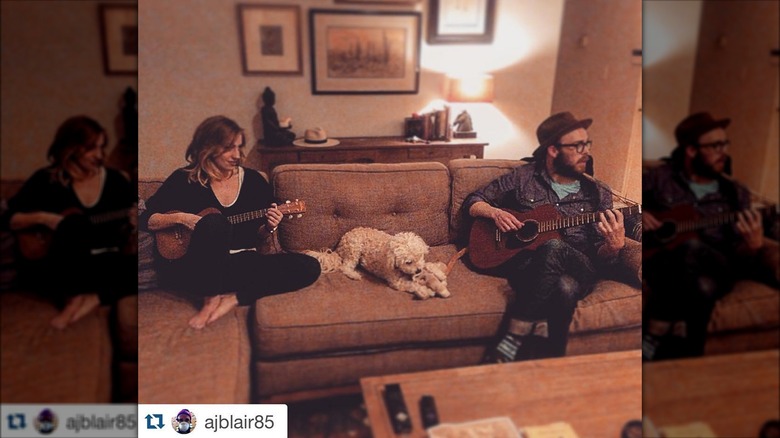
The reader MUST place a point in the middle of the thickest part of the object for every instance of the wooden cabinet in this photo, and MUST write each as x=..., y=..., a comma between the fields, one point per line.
x=366, y=150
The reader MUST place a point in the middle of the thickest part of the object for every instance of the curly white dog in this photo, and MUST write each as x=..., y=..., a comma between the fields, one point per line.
x=394, y=258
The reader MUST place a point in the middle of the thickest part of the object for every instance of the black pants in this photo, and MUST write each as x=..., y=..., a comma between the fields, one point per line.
x=209, y=269
x=69, y=268
x=685, y=283
x=548, y=282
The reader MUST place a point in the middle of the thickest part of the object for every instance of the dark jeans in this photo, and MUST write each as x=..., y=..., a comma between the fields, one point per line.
x=685, y=283
x=209, y=269
x=69, y=269
x=548, y=282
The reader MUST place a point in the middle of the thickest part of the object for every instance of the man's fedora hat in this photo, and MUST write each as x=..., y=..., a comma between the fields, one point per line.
x=556, y=126
x=316, y=137
x=694, y=126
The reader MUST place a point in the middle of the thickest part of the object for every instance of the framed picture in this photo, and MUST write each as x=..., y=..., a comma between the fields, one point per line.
x=357, y=52
x=270, y=37
x=119, y=35
x=461, y=21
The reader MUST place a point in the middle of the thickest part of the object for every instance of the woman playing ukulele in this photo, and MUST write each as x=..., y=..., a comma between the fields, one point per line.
x=222, y=266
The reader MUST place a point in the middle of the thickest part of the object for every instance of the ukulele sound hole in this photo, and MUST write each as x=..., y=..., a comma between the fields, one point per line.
x=529, y=231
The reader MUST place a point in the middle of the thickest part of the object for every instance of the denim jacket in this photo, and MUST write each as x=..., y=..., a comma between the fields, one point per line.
x=664, y=188
x=528, y=187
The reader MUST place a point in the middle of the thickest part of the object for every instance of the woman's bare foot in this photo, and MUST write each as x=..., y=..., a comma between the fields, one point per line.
x=63, y=318
x=226, y=304
x=209, y=306
x=77, y=308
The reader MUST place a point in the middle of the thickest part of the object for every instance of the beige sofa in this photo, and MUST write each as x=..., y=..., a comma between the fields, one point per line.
x=324, y=338
x=92, y=361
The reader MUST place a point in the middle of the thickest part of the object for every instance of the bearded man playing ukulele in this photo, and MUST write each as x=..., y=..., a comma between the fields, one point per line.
x=551, y=279
x=689, y=273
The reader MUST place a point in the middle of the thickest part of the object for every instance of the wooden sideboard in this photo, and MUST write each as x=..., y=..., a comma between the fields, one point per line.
x=366, y=150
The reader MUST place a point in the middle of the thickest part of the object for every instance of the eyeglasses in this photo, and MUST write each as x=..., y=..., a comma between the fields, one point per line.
x=717, y=145
x=580, y=145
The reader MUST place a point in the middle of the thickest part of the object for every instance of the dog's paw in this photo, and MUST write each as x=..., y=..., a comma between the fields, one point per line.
x=355, y=275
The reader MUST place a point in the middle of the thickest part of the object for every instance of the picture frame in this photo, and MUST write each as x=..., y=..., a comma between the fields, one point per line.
x=461, y=21
x=365, y=52
x=119, y=38
x=270, y=39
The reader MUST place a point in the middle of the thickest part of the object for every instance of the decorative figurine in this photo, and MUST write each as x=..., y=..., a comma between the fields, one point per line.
x=463, y=126
x=275, y=133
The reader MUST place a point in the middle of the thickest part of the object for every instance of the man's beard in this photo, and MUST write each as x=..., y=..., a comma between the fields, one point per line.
x=701, y=168
x=564, y=169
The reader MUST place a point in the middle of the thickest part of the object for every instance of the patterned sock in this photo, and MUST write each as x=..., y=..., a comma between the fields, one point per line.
x=506, y=350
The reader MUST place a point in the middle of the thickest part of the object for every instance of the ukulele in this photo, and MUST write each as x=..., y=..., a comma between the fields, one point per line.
x=490, y=247
x=35, y=242
x=683, y=222
x=172, y=242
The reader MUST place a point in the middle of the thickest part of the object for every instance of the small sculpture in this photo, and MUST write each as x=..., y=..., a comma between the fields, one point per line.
x=275, y=133
x=463, y=126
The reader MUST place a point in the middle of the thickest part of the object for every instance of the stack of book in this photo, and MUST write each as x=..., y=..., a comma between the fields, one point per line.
x=431, y=126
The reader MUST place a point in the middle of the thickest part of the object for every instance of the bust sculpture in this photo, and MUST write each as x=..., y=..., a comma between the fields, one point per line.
x=275, y=133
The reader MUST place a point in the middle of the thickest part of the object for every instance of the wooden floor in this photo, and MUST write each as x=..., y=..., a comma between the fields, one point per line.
x=335, y=417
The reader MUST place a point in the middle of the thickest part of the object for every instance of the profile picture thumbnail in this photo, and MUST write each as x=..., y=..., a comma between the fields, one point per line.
x=184, y=421
x=46, y=422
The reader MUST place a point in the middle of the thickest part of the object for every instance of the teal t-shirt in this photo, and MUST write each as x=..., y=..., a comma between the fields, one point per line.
x=563, y=190
x=702, y=190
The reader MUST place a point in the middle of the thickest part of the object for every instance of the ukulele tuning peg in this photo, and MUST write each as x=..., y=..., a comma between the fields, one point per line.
x=296, y=199
x=290, y=217
x=299, y=216
x=287, y=201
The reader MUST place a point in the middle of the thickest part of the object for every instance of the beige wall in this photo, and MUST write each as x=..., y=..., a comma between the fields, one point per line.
x=52, y=68
x=671, y=32
x=597, y=77
x=736, y=77
x=190, y=68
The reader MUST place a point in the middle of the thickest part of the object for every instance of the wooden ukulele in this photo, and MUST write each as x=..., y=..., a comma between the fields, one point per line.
x=172, y=242
x=683, y=222
x=489, y=247
x=35, y=242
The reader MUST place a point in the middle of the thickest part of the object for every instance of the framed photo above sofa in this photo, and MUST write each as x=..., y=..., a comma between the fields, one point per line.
x=359, y=52
x=119, y=35
x=270, y=38
x=461, y=21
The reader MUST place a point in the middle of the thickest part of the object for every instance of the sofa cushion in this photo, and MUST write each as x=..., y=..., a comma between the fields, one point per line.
x=178, y=364
x=750, y=305
x=338, y=314
x=469, y=175
x=44, y=365
x=339, y=197
x=610, y=306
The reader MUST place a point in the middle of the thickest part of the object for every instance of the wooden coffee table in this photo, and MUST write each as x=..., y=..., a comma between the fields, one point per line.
x=596, y=394
x=734, y=394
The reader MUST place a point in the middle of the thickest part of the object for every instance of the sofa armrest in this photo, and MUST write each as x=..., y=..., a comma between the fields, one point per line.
x=630, y=262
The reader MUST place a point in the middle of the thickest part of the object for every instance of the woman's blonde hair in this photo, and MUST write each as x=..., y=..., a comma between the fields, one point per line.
x=212, y=137
x=75, y=137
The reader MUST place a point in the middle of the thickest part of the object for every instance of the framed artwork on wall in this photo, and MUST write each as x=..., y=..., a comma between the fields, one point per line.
x=270, y=38
x=119, y=37
x=461, y=21
x=358, y=52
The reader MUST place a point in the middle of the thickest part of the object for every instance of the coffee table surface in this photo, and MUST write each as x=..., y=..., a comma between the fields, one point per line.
x=734, y=394
x=597, y=394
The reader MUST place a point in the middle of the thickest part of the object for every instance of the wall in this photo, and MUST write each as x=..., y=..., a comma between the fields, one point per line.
x=190, y=68
x=52, y=68
x=597, y=77
x=736, y=77
x=671, y=32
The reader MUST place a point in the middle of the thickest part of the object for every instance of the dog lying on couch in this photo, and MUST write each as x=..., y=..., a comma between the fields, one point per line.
x=393, y=258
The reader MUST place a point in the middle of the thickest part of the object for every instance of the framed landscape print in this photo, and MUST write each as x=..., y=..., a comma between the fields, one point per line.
x=119, y=35
x=357, y=52
x=270, y=38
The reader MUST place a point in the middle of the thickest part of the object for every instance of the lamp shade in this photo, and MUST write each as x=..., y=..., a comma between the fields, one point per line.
x=470, y=88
